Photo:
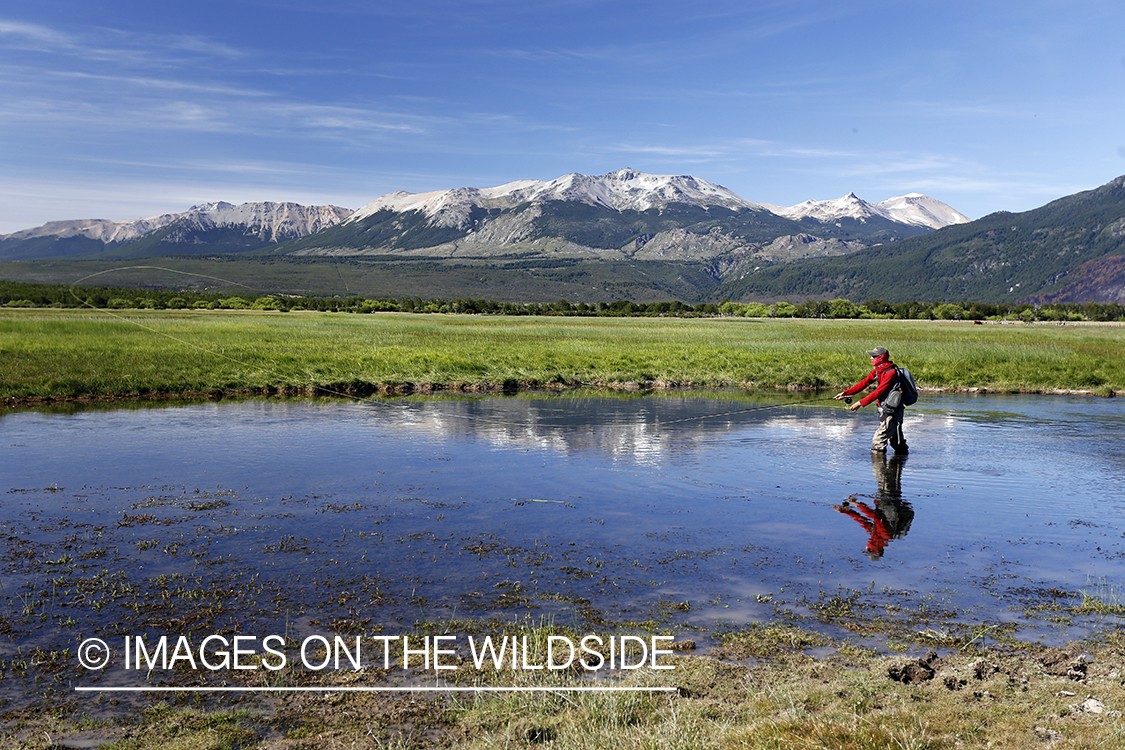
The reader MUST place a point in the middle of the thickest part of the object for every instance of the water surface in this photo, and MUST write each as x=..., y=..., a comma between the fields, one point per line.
x=692, y=510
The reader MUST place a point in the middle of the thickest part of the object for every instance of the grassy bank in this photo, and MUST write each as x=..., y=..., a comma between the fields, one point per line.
x=85, y=353
x=757, y=690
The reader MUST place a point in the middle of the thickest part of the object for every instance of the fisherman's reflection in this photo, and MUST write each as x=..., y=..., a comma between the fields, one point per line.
x=891, y=516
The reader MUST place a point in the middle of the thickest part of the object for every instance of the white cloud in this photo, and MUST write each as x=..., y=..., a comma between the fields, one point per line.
x=30, y=36
x=126, y=82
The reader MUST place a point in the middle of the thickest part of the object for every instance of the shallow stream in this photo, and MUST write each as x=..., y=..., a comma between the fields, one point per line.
x=691, y=511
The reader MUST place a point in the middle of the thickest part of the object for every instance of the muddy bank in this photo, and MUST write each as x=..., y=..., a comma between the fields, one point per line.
x=355, y=389
x=749, y=692
x=363, y=390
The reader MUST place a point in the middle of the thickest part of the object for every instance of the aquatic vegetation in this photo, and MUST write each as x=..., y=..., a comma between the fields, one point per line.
x=1101, y=597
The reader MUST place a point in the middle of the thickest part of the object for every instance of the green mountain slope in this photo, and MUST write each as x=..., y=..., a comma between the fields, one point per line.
x=50, y=246
x=1003, y=257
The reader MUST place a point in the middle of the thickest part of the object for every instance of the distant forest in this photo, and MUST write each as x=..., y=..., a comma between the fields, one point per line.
x=20, y=294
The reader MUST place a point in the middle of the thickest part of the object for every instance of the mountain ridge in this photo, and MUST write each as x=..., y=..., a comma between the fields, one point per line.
x=242, y=227
x=466, y=208
x=628, y=189
x=1062, y=251
x=612, y=237
x=913, y=208
x=623, y=215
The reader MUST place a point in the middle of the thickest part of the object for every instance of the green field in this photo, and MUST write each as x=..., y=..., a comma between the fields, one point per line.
x=93, y=353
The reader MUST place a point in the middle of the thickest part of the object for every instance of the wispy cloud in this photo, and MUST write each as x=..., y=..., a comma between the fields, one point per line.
x=352, y=119
x=109, y=44
x=140, y=83
x=126, y=82
x=30, y=36
x=735, y=148
x=202, y=46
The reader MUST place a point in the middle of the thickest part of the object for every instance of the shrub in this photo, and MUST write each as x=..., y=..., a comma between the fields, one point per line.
x=233, y=303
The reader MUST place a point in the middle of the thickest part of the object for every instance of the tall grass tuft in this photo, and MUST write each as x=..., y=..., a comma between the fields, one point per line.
x=1101, y=597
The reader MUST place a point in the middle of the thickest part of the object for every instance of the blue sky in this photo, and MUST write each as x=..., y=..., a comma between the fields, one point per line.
x=118, y=110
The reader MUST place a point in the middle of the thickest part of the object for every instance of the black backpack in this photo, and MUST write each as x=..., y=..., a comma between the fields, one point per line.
x=906, y=385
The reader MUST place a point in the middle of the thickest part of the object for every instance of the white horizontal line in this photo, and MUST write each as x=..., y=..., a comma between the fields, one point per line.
x=352, y=689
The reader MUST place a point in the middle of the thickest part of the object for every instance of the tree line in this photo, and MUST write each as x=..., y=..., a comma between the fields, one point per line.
x=22, y=294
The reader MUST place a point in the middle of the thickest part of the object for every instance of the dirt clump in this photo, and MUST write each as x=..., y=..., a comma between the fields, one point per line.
x=917, y=671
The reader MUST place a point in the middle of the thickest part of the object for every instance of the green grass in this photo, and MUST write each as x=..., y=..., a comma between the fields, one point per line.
x=1101, y=597
x=75, y=353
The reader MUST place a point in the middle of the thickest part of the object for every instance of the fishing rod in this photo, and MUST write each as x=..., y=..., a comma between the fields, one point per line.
x=847, y=400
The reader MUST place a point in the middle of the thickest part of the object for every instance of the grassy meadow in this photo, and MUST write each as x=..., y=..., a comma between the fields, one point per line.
x=52, y=353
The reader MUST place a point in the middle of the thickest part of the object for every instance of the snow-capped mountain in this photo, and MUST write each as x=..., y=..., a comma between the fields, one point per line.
x=101, y=230
x=913, y=209
x=628, y=189
x=921, y=210
x=623, y=214
x=273, y=222
x=622, y=190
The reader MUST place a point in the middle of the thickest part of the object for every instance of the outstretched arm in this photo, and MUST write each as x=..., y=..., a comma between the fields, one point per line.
x=871, y=378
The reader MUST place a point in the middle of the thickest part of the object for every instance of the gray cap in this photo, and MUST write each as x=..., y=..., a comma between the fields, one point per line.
x=878, y=351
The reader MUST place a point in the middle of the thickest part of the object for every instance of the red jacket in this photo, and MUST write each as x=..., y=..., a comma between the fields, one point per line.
x=876, y=527
x=883, y=374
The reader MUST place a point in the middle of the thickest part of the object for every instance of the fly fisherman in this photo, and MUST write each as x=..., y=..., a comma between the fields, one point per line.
x=885, y=377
